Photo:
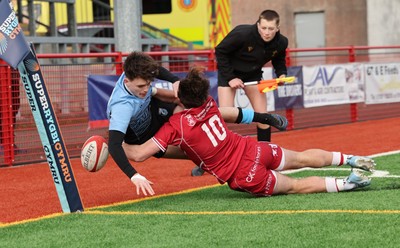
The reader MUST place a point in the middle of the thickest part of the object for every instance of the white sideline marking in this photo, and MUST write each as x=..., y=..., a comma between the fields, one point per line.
x=380, y=173
x=384, y=154
x=376, y=173
x=274, y=212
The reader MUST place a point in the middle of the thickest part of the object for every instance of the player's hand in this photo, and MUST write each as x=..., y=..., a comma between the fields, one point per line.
x=142, y=184
x=236, y=83
x=281, y=83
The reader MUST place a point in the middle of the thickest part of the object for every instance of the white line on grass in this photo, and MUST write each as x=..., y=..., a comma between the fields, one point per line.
x=376, y=173
x=312, y=211
x=384, y=154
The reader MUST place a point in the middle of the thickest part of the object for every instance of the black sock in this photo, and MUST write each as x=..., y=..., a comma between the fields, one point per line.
x=240, y=116
x=261, y=117
x=264, y=134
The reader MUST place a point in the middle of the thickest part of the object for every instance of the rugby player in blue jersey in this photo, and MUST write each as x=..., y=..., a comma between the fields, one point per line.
x=136, y=110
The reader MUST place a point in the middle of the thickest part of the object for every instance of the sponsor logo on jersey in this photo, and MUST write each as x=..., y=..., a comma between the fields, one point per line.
x=162, y=112
x=269, y=182
x=274, y=149
x=253, y=170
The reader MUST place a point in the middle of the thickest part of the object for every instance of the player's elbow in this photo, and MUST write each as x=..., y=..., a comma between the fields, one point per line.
x=140, y=153
x=134, y=156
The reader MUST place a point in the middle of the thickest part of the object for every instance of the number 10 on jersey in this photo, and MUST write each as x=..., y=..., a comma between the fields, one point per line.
x=212, y=131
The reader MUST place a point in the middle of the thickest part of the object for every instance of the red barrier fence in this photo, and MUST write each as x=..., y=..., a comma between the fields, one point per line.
x=66, y=79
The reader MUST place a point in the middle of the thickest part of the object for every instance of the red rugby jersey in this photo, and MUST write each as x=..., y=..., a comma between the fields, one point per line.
x=203, y=135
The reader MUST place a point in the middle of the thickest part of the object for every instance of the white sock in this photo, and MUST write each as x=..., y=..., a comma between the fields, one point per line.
x=334, y=185
x=343, y=185
x=330, y=184
x=339, y=158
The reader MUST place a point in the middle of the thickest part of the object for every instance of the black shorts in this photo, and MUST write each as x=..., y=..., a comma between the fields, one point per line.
x=160, y=113
x=244, y=76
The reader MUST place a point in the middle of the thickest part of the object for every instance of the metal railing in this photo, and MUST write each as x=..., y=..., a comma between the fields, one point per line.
x=66, y=74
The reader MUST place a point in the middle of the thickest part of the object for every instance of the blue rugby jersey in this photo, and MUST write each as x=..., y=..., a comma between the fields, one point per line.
x=125, y=109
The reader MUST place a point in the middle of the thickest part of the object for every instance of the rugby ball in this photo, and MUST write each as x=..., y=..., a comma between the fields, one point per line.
x=94, y=153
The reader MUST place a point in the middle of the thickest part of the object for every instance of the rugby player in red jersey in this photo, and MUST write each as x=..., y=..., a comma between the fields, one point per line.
x=242, y=162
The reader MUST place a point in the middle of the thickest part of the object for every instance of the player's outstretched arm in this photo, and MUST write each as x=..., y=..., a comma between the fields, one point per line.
x=121, y=159
x=140, y=153
x=117, y=152
x=165, y=95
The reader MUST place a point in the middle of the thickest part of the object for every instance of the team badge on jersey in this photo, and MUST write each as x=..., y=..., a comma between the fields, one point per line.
x=162, y=112
x=190, y=120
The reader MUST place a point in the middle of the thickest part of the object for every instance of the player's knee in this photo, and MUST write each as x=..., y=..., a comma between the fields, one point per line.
x=285, y=185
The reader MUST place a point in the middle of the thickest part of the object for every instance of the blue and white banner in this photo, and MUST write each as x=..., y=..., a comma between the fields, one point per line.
x=50, y=134
x=13, y=46
x=382, y=83
x=212, y=76
x=324, y=85
x=286, y=96
x=290, y=95
x=100, y=88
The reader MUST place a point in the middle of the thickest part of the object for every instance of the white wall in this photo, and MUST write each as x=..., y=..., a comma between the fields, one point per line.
x=383, y=17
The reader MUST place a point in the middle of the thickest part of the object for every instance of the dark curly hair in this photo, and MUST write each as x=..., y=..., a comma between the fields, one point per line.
x=140, y=65
x=194, y=88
